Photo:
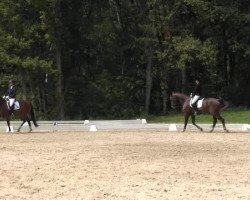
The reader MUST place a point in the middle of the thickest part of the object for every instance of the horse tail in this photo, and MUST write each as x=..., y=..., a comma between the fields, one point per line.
x=224, y=104
x=32, y=114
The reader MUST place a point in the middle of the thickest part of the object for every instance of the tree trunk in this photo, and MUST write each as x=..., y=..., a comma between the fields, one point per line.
x=39, y=99
x=33, y=96
x=56, y=31
x=59, y=84
x=148, y=80
x=225, y=55
x=113, y=3
x=225, y=68
x=183, y=80
x=164, y=93
x=232, y=68
x=23, y=83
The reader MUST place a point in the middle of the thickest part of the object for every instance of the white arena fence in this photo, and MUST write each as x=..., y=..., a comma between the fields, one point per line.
x=96, y=125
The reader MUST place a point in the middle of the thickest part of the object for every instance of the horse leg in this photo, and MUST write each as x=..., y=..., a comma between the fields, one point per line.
x=193, y=122
x=18, y=130
x=28, y=120
x=185, y=123
x=223, y=122
x=8, y=123
x=214, y=123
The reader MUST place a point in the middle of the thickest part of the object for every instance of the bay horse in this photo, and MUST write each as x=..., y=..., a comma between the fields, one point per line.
x=210, y=106
x=25, y=113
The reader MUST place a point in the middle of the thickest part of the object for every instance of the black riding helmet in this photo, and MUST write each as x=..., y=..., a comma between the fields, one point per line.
x=11, y=82
x=197, y=79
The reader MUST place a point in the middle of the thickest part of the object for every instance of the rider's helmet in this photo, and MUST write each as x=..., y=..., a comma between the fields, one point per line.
x=197, y=79
x=11, y=82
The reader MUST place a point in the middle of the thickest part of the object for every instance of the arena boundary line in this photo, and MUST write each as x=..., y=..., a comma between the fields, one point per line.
x=137, y=124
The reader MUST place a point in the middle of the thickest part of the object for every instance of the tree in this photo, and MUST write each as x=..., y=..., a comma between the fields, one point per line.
x=23, y=50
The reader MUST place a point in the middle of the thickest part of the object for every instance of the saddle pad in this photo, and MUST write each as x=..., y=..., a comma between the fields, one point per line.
x=199, y=103
x=16, y=105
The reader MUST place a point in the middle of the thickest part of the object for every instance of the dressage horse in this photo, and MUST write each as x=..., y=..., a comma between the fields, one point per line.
x=25, y=113
x=210, y=106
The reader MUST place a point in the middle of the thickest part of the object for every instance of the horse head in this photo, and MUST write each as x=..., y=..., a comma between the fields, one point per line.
x=173, y=100
x=177, y=98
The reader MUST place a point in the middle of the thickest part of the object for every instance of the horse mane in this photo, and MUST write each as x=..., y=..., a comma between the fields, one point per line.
x=2, y=100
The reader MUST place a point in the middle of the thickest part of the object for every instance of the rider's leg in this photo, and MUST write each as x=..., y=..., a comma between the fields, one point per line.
x=11, y=105
x=194, y=103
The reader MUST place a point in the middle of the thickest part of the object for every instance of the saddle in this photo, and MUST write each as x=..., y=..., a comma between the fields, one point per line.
x=198, y=102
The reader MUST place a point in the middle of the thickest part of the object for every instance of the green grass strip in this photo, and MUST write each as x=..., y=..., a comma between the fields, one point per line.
x=236, y=115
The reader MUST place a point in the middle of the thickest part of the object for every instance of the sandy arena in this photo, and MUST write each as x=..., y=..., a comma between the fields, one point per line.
x=125, y=165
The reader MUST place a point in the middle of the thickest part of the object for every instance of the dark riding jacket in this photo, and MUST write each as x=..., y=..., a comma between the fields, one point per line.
x=197, y=90
x=11, y=92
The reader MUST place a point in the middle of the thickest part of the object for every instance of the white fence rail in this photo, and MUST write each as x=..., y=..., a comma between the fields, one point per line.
x=95, y=125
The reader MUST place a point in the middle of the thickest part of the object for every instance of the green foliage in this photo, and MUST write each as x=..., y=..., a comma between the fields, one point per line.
x=121, y=95
x=19, y=35
x=95, y=53
x=189, y=50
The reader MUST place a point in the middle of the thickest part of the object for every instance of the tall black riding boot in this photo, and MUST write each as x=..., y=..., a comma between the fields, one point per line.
x=12, y=109
x=195, y=109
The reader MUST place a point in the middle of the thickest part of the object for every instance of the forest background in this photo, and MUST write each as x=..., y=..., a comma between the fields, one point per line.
x=79, y=59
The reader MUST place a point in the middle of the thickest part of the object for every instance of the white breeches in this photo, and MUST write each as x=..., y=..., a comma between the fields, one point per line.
x=194, y=99
x=11, y=101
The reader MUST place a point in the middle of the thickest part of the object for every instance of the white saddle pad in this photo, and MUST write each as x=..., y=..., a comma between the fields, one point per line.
x=199, y=103
x=16, y=105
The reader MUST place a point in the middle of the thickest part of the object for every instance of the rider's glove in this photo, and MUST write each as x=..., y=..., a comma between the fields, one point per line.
x=191, y=95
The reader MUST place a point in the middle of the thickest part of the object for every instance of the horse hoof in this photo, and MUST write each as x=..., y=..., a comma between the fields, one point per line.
x=211, y=130
x=183, y=130
x=227, y=131
x=18, y=130
x=201, y=129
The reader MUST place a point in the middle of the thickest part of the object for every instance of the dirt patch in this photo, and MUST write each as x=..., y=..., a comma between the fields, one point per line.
x=125, y=165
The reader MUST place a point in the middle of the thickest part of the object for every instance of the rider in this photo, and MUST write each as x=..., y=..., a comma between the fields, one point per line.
x=11, y=95
x=196, y=94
